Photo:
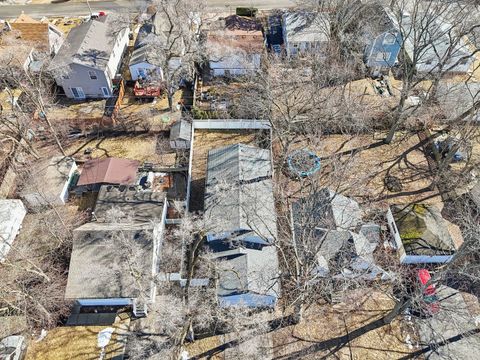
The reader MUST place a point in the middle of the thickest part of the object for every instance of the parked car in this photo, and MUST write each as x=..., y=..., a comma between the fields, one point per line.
x=429, y=305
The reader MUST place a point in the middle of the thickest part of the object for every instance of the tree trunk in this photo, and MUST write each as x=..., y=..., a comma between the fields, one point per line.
x=397, y=309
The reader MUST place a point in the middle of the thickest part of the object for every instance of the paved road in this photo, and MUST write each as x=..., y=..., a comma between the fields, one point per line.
x=77, y=8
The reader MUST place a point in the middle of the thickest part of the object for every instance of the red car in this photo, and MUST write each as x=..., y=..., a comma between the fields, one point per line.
x=430, y=298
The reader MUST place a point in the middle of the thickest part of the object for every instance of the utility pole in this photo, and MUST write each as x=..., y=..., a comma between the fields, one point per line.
x=89, y=8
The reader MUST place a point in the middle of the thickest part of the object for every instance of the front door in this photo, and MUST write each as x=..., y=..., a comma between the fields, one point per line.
x=78, y=93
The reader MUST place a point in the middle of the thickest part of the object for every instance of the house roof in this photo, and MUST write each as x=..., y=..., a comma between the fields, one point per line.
x=239, y=192
x=305, y=26
x=233, y=33
x=146, y=54
x=181, y=130
x=31, y=29
x=109, y=171
x=423, y=230
x=327, y=209
x=12, y=213
x=142, y=205
x=111, y=261
x=47, y=180
x=435, y=42
x=246, y=269
x=90, y=44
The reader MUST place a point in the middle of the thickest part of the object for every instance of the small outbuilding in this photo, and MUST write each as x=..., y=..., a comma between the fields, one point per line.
x=107, y=171
x=180, y=135
x=49, y=182
x=421, y=235
x=12, y=213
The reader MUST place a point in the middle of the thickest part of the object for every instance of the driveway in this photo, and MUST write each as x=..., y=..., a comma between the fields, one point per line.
x=454, y=318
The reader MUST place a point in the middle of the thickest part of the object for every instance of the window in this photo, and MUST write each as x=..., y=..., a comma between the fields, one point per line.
x=93, y=75
x=78, y=93
x=383, y=56
x=105, y=92
x=389, y=39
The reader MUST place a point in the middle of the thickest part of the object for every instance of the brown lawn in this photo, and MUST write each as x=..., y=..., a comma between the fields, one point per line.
x=357, y=166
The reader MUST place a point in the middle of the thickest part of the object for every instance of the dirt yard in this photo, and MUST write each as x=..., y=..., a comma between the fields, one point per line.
x=203, y=142
x=357, y=166
x=142, y=147
x=350, y=330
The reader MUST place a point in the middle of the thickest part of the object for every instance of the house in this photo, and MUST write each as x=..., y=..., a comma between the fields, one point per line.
x=345, y=245
x=12, y=213
x=107, y=171
x=305, y=31
x=180, y=135
x=155, y=41
x=132, y=201
x=145, y=63
x=382, y=50
x=248, y=273
x=421, y=235
x=48, y=183
x=89, y=59
x=433, y=43
x=239, y=194
x=41, y=34
x=114, y=264
x=16, y=57
x=235, y=45
x=239, y=208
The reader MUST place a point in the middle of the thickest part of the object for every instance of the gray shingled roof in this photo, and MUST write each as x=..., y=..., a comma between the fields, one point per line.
x=306, y=26
x=239, y=193
x=89, y=44
x=251, y=270
x=146, y=54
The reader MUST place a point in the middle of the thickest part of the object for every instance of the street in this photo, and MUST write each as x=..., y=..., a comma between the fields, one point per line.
x=79, y=8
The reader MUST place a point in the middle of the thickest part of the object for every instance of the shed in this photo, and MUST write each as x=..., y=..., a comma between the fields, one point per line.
x=49, y=182
x=113, y=171
x=421, y=234
x=180, y=135
x=12, y=213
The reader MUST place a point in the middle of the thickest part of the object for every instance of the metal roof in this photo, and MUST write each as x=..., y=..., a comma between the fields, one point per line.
x=108, y=171
x=181, y=130
x=239, y=190
x=146, y=54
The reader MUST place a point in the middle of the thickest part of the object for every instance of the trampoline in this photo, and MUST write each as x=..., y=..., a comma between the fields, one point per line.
x=303, y=163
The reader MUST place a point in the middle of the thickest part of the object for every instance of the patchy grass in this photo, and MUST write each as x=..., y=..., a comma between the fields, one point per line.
x=77, y=342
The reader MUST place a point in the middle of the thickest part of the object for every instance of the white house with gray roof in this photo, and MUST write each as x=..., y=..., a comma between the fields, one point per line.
x=305, y=31
x=89, y=58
